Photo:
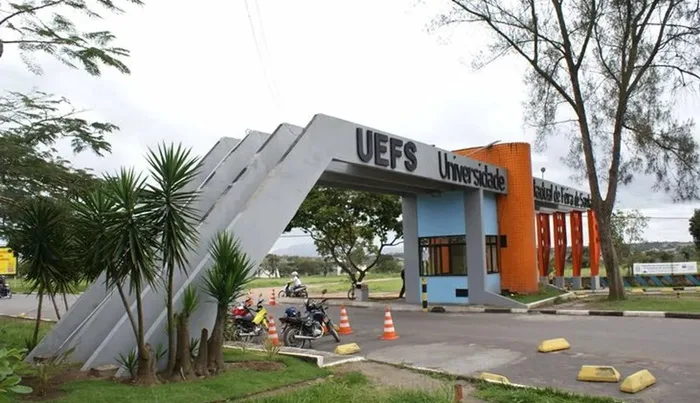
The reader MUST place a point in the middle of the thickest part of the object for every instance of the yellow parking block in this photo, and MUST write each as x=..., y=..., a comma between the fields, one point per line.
x=347, y=349
x=549, y=346
x=667, y=290
x=494, y=378
x=597, y=373
x=637, y=382
x=637, y=291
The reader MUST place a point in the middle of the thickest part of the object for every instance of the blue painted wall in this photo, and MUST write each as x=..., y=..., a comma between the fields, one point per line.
x=441, y=215
x=493, y=283
x=490, y=216
x=441, y=289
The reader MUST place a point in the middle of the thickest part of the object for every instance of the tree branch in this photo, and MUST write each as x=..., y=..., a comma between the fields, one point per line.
x=30, y=10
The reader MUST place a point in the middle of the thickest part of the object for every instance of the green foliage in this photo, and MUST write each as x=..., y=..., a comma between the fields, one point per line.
x=190, y=301
x=194, y=347
x=627, y=228
x=9, y=380
x=161, y=352
x=694, y=228
x=42, y=238
x=49, y=368
x=499, y=393
x=231, y=271
x=345, y=225
x=271, y=350
x=129, y=362
x=46, y=26
x=30, y=126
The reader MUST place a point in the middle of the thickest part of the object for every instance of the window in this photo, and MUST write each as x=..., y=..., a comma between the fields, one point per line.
x=443, y=256
x=493, y=261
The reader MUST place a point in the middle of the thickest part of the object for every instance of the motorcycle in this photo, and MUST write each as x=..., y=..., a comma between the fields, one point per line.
x=290, y=292
x=300, y=329
x=246, y=322
x=5, y=291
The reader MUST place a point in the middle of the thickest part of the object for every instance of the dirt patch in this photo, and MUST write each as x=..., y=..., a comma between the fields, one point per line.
x=266, y=366
x=52, y=389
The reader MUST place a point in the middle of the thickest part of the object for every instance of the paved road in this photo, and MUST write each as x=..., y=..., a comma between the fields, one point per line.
x=27, y=304
x=507, y=344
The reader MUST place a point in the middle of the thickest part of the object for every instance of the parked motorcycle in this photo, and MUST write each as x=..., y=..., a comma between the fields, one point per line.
x=5, y=291
x=290, y=292
x=246, y=322
x=300, y=329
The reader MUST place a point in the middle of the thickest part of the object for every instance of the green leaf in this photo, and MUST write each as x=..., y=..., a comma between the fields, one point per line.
x=11, y=381
x=5, y=370
x=20, y=389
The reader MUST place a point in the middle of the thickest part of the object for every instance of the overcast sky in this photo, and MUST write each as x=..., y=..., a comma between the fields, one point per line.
x=199, y=74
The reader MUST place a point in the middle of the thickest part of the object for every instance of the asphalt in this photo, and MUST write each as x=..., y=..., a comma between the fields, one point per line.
x=467, y=344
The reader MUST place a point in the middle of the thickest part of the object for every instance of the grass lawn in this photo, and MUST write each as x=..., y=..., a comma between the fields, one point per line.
x=686, y=303
x=375, y=285
x=496, y=393
x=230, y=385
x=342, y=282
x=354, y=387
x=543, y=293
x=19, y=286
x=13, y=332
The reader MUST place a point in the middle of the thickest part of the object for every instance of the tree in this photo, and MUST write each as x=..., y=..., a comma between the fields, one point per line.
x=694, y=228
x=606, y=73
x=388, y=264
x=42, y=239
x=131, y=245
x=225, y=281
x=30, y=126
x=628, y=228
x=169, y=201
x=271, y=264
x=183, y=364
x=45, y=26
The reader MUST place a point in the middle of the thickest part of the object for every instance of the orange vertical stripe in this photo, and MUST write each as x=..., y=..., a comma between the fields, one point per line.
x=576, y=221
x=593, y=244
x=545, y=244
x=559, y=243
x=515, y=211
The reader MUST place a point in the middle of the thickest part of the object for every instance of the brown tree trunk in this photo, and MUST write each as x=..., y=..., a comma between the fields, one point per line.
x=127, y=308
x=201, y=363
x=607, y=246
x=55, y=307
x=216, y=343
x=35, y=339
x=183, y=360
x=65, y=301
x=172, y=349
x=146, y=374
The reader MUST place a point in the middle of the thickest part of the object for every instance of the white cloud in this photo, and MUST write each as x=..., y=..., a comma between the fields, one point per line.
x=197, y=77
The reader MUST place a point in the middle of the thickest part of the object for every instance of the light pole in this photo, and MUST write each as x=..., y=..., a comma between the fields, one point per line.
x=542, y=170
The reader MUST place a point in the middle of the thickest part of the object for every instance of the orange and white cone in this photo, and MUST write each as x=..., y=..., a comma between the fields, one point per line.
x=273, y=302
x=344, y=327
x=272, y=332
x=389, y=331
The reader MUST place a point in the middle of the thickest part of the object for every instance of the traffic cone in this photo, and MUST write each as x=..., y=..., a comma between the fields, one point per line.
x=272, y=332
x=273, y=302
x=389, y=331
x=345, y=328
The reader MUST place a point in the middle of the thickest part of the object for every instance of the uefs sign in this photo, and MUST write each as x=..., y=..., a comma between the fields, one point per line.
x=385, y=151
x=562, y=195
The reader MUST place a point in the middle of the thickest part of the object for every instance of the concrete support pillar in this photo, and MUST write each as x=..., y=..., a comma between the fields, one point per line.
x=577, y=283
x=560, y=241
x=595, y=282
x=409, y=211
x=543, y=246
x=576, y=222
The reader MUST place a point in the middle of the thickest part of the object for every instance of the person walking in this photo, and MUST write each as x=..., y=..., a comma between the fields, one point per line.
x=403, y=285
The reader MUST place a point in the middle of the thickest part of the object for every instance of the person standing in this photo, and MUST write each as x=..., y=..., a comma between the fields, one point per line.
x=403, y=285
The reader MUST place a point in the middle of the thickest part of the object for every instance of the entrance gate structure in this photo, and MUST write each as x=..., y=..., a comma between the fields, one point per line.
x=253, y=187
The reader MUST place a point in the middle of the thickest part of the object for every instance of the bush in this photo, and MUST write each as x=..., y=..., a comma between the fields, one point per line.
x=9, y=380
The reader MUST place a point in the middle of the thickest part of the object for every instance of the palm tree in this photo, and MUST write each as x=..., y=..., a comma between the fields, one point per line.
x=170, y=203
x=90, y=228
x=42, y=239
x=131, y=246
x=225, y=282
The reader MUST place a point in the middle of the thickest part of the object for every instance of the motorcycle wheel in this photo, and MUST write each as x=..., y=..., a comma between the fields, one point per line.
x=9, y=294
x=351, y=293
x=303, y=294
x=289, y=340
x=281, y=294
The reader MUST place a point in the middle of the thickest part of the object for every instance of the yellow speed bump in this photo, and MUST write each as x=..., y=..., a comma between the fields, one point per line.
x=494, y=378
x=637, y=291
x=637, y=382
x=347, y=349
x=667, y=290
x=596, y=373
x=549, y=346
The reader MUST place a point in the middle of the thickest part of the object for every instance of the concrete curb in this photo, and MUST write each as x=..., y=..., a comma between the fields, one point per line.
x=309, y=354
x=27, y=318
x=520, y=311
